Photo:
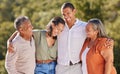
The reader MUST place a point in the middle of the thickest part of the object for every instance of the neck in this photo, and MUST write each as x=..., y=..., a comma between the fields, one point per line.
x=94, y=38
x=28, y=38
x=92, y=42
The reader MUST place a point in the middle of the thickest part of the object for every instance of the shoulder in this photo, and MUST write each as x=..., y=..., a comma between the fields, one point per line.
x=105, y=43
x=82, y=23
x=16, y=42
x=38, y=31
x=105, y=40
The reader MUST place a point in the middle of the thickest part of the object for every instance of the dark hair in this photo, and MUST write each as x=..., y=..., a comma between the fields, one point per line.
x=98, y=25
x=55, y=21
x=67, y=5
x=19, y=21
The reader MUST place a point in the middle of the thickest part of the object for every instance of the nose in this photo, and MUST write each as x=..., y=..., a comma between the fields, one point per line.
x=32, y=27
x=56, y=30
x=65, y=16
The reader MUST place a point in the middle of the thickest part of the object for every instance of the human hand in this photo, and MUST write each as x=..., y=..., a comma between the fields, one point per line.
x=10, y=47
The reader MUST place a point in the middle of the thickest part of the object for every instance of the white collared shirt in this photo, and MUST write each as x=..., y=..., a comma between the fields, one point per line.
x=70, y=42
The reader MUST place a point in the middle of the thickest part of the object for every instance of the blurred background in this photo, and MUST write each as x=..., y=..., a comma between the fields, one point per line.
x=41, y=11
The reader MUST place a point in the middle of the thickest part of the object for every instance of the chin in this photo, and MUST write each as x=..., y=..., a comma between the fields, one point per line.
x=68, y=21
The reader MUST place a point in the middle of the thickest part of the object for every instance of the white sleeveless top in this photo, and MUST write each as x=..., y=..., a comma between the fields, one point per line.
x=83, y=58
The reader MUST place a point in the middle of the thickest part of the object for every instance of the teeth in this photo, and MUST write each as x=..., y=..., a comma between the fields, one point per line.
x=68, y=19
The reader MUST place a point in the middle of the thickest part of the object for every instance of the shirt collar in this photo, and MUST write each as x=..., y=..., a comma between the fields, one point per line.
x=75, y=23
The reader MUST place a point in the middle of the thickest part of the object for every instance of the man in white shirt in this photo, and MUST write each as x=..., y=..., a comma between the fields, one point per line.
x=22, y=60
x=70, y=42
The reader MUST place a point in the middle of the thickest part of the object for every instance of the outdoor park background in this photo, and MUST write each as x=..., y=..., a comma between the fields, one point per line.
x=41, y=11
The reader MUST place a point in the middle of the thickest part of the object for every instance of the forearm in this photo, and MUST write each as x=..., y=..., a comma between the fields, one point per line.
x=12, y=36
x=10, y=63
x=108, y=67
x=9, y=42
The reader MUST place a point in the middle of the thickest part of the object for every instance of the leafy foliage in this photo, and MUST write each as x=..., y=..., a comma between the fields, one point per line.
x=41, y=11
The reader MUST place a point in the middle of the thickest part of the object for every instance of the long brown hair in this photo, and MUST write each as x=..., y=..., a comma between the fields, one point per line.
x=55, y=21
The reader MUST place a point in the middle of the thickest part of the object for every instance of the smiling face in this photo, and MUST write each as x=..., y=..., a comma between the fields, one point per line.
x=60, y=27
x=91, y=33
x=26, y=29
x=68, y=14
x=57, y=29
x=54, y=30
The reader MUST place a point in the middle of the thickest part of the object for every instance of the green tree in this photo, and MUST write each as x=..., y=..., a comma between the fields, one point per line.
x=41, y=11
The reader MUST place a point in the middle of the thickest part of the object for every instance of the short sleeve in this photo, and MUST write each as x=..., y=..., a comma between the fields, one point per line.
x=37, y=36
x=107, y=44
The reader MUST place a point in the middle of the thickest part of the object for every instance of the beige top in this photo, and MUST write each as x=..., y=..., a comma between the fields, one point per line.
x=43, y=52
x=22, y=60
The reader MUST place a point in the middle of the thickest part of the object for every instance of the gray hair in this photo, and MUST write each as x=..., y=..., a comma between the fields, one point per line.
x=19, y=21
x=98, y=25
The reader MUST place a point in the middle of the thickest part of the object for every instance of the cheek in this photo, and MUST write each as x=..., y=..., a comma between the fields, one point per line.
x=70, y=15
x=29, y=31
x=59, y=32
x=89, y=34
x=54, y=32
